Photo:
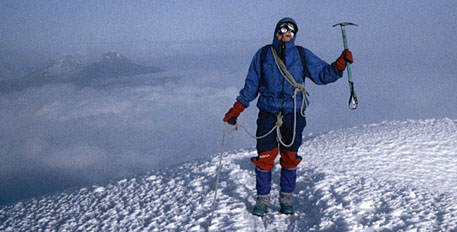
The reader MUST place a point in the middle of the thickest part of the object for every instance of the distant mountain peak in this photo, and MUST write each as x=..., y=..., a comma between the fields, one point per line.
x=113, y=64
x=65, y=65
x=68, y=59
x=113, y=55
x=68, y=68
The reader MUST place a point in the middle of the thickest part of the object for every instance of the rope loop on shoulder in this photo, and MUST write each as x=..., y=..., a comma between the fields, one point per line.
x=297, y=87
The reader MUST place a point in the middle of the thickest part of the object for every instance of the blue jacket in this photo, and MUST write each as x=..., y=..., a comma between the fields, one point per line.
x=275, y=92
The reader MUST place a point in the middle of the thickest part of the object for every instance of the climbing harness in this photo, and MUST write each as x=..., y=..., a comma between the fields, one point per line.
x=279, y=122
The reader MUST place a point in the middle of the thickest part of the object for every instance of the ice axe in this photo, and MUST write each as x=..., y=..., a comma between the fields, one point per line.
x=353, y=98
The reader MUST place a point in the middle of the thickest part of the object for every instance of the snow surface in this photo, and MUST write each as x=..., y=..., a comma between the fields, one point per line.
x=392, y=176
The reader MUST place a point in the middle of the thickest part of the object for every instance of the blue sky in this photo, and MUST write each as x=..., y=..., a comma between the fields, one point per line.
x=58, y=23
x=64, y=136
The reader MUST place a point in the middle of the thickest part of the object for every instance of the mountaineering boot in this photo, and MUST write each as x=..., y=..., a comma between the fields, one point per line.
x=287, y=203
x=261, y=205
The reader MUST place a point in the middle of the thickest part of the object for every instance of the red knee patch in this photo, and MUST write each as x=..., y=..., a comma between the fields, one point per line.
x=265, y=160
x=289, y=159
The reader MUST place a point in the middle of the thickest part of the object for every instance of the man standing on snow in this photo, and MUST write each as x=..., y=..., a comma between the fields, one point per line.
x=278, y=73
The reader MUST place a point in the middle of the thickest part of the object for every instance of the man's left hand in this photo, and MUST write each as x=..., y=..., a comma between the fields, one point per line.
x=341, y=62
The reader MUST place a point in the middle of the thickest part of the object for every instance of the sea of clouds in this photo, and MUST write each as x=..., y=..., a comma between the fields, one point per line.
x=108, y=130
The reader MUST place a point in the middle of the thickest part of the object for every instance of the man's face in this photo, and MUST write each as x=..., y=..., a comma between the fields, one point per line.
x=286, y=37
x=286, y=32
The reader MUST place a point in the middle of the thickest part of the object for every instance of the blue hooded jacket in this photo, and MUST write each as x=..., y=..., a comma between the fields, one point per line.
x=275, y=92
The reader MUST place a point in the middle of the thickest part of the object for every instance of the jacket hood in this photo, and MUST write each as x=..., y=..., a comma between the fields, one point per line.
x=276, y=42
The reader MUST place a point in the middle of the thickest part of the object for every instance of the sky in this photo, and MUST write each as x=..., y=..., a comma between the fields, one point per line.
x=65, y=135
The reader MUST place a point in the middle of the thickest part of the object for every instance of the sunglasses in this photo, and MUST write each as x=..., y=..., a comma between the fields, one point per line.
x=286, y=27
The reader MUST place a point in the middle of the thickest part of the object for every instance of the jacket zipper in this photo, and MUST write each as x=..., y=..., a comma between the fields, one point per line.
x=283, y=57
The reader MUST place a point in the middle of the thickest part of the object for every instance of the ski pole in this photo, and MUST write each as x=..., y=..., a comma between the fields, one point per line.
x=353, y=98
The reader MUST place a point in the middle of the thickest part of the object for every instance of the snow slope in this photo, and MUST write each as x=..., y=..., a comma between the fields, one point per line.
x=392, y=176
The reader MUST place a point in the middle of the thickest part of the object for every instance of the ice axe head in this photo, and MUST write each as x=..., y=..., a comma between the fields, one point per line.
x=343, y=31
x=345, y=24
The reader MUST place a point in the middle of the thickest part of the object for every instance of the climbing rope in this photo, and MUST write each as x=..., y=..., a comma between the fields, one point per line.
x=297, y=88
x=217, y=179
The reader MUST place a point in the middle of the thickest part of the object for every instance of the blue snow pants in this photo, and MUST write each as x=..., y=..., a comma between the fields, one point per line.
x=267, y=149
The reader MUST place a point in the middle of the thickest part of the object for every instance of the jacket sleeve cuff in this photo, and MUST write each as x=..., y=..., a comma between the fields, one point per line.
x=337, y=71
x=242, y=101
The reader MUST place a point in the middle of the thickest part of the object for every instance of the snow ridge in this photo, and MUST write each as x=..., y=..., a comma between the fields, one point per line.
x=392, y=176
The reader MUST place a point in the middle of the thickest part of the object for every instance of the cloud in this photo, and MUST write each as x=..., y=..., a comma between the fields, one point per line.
x=112, y=128
x=76, y=158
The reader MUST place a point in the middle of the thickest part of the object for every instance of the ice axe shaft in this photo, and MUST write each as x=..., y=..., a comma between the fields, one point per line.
x=353, y=98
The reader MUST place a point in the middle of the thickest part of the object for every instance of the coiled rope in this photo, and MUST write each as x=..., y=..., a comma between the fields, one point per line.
x=304, y=105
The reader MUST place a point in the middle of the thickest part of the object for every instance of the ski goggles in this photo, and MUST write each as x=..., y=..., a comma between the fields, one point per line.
x=286, y=27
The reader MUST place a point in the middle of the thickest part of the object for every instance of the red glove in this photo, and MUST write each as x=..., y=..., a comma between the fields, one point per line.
x=341, y=62
x=233, y=113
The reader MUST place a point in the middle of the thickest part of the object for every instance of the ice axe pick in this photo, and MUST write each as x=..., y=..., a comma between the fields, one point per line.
x=353, y=98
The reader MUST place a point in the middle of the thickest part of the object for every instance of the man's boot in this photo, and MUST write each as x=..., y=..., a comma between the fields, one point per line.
x=286, y=203
x=288, y=179
x=261, y=205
